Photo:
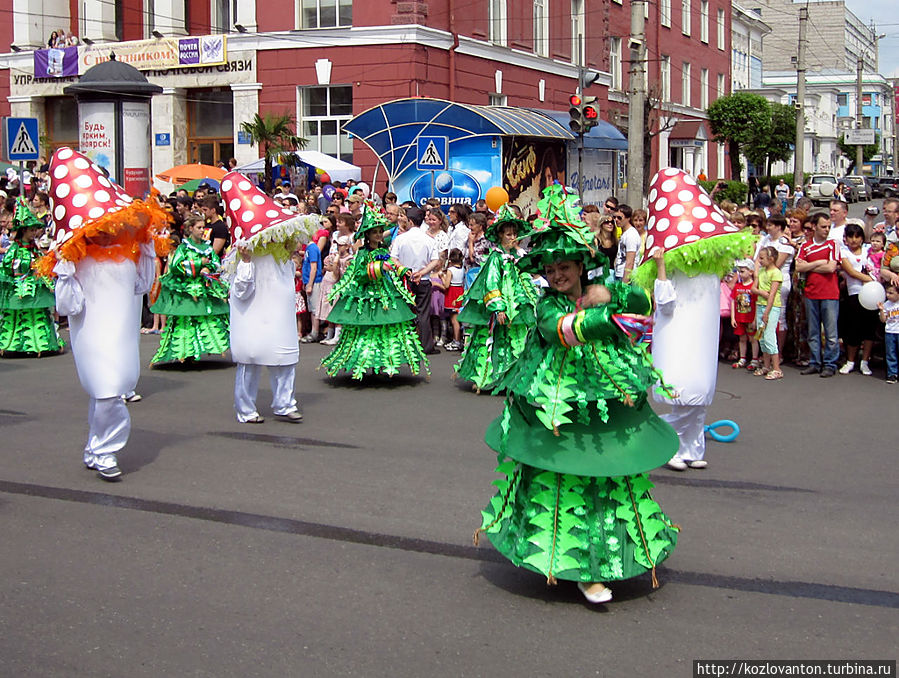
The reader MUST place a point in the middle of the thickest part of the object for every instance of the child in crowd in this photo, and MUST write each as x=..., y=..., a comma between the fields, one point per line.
x=331, y=265
x=889, y=314
x=438, y=316
x=876, y=250
x=742, y=313
x=312, y=278
x=767, y=312
x=299, y=295
x=726, y=337
x=856, y=324
x=453, y=282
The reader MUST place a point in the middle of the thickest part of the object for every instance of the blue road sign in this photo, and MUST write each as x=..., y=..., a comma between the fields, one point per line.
x=163, y=139
x=431, y=153
x=22, y=141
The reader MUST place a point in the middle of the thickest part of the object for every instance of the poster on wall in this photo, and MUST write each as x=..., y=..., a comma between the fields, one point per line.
x=529, y=166
x=56, y=63
x=96, y=138
x=136, y=153
x=599, y=174
x=473, y=166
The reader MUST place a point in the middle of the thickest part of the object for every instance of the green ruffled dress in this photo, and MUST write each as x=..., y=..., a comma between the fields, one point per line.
x=492, y=349
x=575, y=442
x=26, y=305
x=374, y=311
x=196, y=305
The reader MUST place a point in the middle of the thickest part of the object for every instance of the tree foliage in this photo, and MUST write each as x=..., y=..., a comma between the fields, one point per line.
x=739, y=120
x=775, y=142
x=276, y=135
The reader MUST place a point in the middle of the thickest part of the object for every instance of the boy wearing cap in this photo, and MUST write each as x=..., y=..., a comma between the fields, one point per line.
x=742, y=313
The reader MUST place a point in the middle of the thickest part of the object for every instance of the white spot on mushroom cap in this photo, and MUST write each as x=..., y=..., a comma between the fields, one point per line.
x=101, y=196
x=247, y=216
x=271, y=214
x=652, y=195
x=96, y=212
x=79, y=200
x=668, y=185
x=103, y=181
x=676, y=210
x=226, y=185
x=699, y=212
x=685, y=226
x=672, y=171
x=707, y=227
x=238, y=232
x=59, y=212
x=258, y=199
x=671, y=241
x=661, y=204
x=83, y=181
x=663, y=225
x=685, y=195
x=691, y=238
x=244, y=185
x=255, y=228
x=716, y=216
x=76, y=220
x=63, y=190
x=64, y=153
x=234, y=204
x=705, y=200
x=81, y=163
x=60, y=172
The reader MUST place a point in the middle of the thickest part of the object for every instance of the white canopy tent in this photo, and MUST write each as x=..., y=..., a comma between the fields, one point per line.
x=337, y=169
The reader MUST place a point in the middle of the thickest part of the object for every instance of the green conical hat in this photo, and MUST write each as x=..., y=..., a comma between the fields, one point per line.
x=24, y=217
x=372, y=218
x=560, y=234
x=504, y=217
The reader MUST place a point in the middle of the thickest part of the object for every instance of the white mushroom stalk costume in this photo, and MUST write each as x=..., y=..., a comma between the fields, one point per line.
x=700, y=245
x=103, y=255
x=263, y=315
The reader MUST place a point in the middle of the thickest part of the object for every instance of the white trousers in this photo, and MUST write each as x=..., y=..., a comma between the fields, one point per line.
x=246, y=386
x=109, y=426
x=689, y=423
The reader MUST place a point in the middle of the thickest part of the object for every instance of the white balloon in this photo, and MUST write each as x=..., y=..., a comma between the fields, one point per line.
x=366, y=191
x=871, y=294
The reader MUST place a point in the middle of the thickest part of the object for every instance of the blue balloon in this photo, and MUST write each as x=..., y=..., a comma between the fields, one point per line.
x=723, y=437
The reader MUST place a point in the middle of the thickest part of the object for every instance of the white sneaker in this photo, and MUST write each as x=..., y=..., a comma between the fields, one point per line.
x=439, y=342
x=698, y=463
x=848, y=367
x=329, y=342
x=864, y=369
x=677, y=464
x=603, y=595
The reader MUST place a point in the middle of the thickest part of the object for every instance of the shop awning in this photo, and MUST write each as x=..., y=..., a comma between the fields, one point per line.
x=605, y=136
x=336, y=168
x=391, y=130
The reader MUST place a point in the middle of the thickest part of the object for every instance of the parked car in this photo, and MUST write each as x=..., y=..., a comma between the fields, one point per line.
x=820, y=188
x=860, y=182
x=884, y=187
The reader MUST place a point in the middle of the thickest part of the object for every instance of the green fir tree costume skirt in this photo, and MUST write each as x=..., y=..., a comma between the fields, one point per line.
x=28, y=330
x=194, y=327
x=486, y=358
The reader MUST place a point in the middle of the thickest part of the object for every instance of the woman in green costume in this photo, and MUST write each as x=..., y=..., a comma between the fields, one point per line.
x=499, y=307
x=374, y=309
x=577, y=435
x=26, y=300
x=193, y=298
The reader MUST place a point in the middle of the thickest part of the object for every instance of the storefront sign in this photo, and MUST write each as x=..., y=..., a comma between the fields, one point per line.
x=56, y=63
x=97, y=133
x=158, y=54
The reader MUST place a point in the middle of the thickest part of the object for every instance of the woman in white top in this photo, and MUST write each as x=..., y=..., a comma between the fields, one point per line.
x=436, y=226
x=856, y=325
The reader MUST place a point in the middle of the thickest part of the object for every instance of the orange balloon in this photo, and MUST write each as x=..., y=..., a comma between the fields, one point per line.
x=496, y=197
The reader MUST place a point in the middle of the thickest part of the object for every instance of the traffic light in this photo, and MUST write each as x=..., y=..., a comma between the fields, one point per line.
x=590, y=111
x=576, y=112
x=584, y=113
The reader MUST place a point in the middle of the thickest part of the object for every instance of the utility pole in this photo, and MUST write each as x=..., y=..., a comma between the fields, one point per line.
x=895, y=130
x=581, y=86
x=636, y=104
x=859, y=150
x=799, y=146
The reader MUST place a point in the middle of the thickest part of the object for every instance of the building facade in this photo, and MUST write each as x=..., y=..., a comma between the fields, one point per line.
x=749, y=32
x=219, y=62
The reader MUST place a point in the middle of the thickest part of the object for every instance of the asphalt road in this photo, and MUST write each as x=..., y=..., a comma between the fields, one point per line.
x=342, y=546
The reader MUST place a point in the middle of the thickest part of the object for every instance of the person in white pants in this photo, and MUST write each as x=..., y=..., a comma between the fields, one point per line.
x=102, y=300
x=263, y=332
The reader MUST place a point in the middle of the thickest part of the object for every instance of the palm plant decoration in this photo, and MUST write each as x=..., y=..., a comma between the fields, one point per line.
x=276, y=135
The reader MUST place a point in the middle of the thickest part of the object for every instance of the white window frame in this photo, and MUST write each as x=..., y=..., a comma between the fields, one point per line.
x=722, y=83
x=221, y=23
x=300, y=14
x=315, y=141
x=704, y=21
x=497, y=99
x=721, y=40
x=665, y=77
x=615, y=64
x=665, y=13
x=578, y=32
x=541, y=28
x=685, y=17
x=498, y=22
x=685, y=85
x=704, y=89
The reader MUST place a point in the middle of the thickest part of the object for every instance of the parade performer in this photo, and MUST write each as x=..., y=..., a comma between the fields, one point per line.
x=700, y=245
x=263, y=304
x=26, y=299
x=499, y=306
x=194, y=298
x=104, y=256
x=374, y=309
x=577, y=435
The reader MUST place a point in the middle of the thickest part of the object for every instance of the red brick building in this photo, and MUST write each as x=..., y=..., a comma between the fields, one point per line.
x=328, y=60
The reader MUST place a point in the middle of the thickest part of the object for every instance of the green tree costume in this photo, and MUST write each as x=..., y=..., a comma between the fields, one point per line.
x=26, y=300
x=577, y=435
x=196, y=305
x=374, y=310
x=500, y=286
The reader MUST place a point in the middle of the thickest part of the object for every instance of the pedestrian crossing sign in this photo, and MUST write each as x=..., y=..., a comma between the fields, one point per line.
x=432, y=153
x=21, y=139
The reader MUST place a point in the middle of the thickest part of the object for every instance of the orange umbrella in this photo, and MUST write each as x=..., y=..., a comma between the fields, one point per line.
x=184, y=173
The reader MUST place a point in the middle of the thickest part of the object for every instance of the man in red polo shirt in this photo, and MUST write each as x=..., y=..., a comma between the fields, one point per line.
x=819, y=259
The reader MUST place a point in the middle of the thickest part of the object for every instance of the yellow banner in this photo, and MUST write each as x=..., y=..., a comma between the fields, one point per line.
x=159, y=53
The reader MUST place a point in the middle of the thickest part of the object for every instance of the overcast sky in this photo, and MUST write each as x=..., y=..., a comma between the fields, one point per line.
x=885, y=14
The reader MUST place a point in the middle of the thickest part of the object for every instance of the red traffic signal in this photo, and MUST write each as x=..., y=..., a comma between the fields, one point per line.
x=575, y=100
x=590, y=113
